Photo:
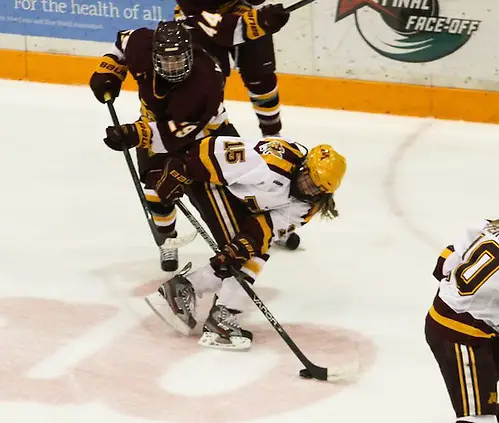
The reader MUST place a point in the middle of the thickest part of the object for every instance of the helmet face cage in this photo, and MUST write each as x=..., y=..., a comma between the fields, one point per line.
x=173, y=68
x=303, y=188
x=172, y=51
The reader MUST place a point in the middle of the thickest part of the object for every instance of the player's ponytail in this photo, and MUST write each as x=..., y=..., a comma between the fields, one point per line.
x=327, y=207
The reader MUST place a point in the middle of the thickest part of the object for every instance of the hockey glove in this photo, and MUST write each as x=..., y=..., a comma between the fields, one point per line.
x=234, y=255
x=267, y=20
x=131, y=135
x=170, y=186
x=107, y=78
x=438, y=272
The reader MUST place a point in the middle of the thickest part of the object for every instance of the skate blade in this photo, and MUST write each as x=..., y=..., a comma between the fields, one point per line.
x=179, y=242
x=238, y=343
x=156, y=302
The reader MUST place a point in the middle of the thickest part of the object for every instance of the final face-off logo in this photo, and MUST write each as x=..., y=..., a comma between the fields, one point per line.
x=408, y=30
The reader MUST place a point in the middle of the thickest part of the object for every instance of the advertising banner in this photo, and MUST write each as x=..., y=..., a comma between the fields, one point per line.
x=81, y=19
x=447, y=43
x=413, y=31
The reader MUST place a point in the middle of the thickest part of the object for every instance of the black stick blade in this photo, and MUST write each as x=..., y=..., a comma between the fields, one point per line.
x=316, y=372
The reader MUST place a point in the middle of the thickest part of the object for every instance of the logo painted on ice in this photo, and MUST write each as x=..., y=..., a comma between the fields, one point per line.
x=410, y=31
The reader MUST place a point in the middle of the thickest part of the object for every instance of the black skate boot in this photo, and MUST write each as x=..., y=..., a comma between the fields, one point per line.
x=175, y=302
x=222, y=330
x=169, y=257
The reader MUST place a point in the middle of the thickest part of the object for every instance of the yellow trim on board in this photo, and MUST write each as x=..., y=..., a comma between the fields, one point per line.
x=296, y=90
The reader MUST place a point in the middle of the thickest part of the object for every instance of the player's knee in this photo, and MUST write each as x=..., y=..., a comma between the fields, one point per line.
x=260, y=83
x=160, y=209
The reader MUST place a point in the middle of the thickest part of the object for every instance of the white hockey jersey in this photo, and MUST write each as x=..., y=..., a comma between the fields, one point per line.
x=258, y=173
x=470, y=284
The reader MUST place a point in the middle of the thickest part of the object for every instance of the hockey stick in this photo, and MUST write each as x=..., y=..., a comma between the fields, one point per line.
x=298, y=5
x=311, y=370
x=169, y=243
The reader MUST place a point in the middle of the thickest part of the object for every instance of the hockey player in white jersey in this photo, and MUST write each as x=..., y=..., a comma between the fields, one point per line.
x=463, y=323
x=249, y=193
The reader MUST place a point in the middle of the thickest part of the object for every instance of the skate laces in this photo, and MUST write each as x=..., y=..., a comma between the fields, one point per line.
x=167, y=254
x=228, y=318
x=188, y=298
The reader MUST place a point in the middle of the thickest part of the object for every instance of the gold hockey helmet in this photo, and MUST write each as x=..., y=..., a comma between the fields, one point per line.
x=327, y=167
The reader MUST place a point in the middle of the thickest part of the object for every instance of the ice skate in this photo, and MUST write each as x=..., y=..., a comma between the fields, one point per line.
x=222, y=330
x=175, y=302
x=169, y=256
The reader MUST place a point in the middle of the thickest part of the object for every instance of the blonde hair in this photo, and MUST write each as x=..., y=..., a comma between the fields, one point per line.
x=327, y=207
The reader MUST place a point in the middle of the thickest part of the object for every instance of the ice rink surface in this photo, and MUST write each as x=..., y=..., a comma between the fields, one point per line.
x=78, y=343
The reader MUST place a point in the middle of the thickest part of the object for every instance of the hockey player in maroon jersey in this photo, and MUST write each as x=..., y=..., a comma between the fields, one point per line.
x=237, y=28
x=180, y=89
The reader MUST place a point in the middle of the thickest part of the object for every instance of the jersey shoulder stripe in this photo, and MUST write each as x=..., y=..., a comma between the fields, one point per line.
x=280, y=156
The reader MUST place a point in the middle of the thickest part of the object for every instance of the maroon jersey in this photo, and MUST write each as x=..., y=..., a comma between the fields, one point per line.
x=226, y=23
x=182, y=111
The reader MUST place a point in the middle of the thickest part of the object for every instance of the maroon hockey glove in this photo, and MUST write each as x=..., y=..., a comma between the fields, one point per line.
x=170, y=186
x=272, y=18
x=131, y=135
x=234, y=255
x=107, y=78
x=438, y=272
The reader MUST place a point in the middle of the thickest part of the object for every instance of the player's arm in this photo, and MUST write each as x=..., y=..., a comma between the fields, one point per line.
x=154, y=136
x=178, y=132
x=112, y=69
x=160, y=137
x=163, y=137
x=175, y=135
x=239, y=26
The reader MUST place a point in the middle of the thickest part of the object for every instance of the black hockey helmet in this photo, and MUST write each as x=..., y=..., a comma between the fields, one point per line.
x=172, y=55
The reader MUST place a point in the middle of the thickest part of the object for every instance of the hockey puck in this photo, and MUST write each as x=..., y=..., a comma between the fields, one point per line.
x=293, y=241
x=305, y=374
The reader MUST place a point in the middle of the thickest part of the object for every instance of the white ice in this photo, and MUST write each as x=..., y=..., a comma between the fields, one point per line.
x=79, y=344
